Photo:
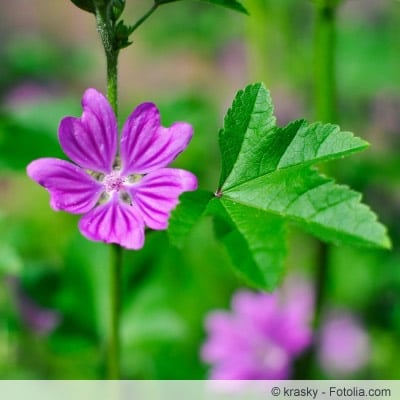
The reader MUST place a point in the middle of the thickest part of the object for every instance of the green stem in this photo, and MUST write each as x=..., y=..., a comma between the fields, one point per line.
x=260, y=27
x=324, y=62
x=106, y=30
x=142, y=19
x=325, y=110
x=115, y=293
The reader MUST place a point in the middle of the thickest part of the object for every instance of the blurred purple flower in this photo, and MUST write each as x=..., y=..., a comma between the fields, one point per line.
x=23, y=94
x=36, y=318
x=119, y=193
x=262, y=335
x=343, y=345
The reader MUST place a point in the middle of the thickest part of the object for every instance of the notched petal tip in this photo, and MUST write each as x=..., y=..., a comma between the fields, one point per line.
x=91, y=97
x=114, y=222
x=146, y=145
x=71, y=189
x=91, y=140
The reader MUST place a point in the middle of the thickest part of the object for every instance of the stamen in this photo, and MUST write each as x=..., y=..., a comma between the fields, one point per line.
x=113, y=182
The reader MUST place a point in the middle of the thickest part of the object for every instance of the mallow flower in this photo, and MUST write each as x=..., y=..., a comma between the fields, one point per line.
x=344, y=345
x=119, y=189
x=262, y=335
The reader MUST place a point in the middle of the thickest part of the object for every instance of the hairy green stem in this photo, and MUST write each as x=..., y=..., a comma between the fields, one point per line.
x=106, y=30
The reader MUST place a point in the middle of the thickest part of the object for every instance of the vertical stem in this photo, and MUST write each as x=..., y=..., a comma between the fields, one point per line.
x=115, y=294
x=106, y=31
x=258, y=39
x=325, y=111
x=324, y=61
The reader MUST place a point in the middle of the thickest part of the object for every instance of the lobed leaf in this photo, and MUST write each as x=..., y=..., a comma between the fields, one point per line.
x=190, y=209
x=268, y=178
x=255, y=242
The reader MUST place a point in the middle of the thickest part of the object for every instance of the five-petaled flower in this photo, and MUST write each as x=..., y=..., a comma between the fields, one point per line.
x=262, y=335
x=119, y=190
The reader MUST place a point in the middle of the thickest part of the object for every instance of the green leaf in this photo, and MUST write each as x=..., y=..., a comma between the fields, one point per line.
x=331, y=212
x=189, y=210
x=255, y=242
x=34, y=128
x=268, y=178
x=232, y=4
x=86, y=5
x=251, y=144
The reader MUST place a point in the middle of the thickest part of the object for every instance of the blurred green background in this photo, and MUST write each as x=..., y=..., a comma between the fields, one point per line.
x=190, y=58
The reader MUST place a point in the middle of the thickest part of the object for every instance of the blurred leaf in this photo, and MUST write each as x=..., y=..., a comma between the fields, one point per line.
x=267, y=171
x=232, y=4
x=86, y=5
x=85, y=299
x=30, y=132
x=148, y=318
x=10, y=261
x=189, y=210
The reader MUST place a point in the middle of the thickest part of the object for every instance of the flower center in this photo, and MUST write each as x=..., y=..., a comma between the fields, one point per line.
x=113, y=182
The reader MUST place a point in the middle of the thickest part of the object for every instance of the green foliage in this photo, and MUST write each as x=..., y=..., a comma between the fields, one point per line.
x=268, y=178
x=34, y=128
x=243, y=230
x=232, y=4
x=86, y=5
x=183, y=218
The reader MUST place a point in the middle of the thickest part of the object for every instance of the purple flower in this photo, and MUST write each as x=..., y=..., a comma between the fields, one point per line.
x=39, y=320
x=262, y=334
x=343, y=345
x=121, y=190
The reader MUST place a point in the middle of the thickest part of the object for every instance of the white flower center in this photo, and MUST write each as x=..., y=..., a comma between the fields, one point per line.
x=114, y=182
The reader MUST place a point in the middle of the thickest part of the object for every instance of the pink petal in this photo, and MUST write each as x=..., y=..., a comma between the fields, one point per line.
x=157, y=194
x=91, y=141
x=146, y=146
x=71, y=188
x=114, y=222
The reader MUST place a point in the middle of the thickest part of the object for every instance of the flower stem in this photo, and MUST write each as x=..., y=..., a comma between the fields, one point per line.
x=105, y=28
x=106, y=32
x=325, y=111
x=144, y=17
x=324, y=61
x=115, y=292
